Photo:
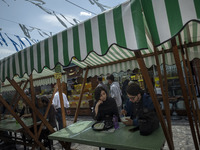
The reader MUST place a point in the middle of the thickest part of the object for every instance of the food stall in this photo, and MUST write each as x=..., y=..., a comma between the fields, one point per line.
x=135, y=32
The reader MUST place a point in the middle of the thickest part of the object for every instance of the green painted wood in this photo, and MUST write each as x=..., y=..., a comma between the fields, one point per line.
x=122, y=138
x=12, y=125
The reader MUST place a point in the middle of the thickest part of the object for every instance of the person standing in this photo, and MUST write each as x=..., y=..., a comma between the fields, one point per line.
x=101, y=84
x=115, y=91
x=57, y=105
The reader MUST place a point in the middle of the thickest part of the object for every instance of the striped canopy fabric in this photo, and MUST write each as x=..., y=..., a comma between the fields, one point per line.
x=109, y=63
x=122, y=26
x=44, y=78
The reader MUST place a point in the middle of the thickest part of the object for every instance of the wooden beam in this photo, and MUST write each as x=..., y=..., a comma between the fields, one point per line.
x=8, y=107
x=14, y=84
x=165, y=97
x=61, y=102
x=154, y=98
x=47, y=111
x=15, y=96
x=189, y=87
x=20, y=96
x=81, y=95
x=184, y=90
x=33, y=102
x=192, y=84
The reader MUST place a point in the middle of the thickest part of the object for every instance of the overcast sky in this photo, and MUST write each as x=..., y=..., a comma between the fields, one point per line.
x=42, y=19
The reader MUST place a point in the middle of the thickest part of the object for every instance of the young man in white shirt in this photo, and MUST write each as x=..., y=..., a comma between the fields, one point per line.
x=57, y=105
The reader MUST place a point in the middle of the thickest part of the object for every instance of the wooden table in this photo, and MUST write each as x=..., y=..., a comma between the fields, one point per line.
x=13, y=126
x=122, y=138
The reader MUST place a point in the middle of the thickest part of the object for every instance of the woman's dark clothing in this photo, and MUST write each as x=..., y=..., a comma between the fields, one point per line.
x=107, y=109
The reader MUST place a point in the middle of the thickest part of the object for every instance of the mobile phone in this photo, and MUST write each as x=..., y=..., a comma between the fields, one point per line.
x=134, y=129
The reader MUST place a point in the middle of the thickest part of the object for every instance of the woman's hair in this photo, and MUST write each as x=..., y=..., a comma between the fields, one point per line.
x=134, y=89
x=97, y=92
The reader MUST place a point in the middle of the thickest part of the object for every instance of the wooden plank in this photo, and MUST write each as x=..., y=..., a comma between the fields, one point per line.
x=189, y=90
x=187, y=73
x=154, y=98
x=15, y=96
x=192, y=83
x=61, y=102
x=165, y=97
x=20, y=96
x=81, y=95
x=8, y=107
x=184, y=90
x=47, y=111
x=33, y=101
x=14, y=84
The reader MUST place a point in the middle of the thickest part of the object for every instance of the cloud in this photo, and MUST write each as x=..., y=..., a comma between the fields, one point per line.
x=5, y=52
x=50, y=19
x=53, y=21
x=85, y=14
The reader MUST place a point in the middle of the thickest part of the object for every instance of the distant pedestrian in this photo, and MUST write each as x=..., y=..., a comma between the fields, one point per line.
x=101, y=84
x=115, y=91
x=57, y=105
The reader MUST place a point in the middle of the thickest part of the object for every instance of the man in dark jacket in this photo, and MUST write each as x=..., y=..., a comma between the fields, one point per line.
x=141, y=110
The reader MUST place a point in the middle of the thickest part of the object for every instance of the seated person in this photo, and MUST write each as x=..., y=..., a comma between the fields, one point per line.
x=51, y=115
x=142, y=114
x=43, y=104
x=105, y=107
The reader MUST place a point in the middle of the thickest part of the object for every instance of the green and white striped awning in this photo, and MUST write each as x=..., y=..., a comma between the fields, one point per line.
x=39, y=79
x=109, y=63
x=122, y=26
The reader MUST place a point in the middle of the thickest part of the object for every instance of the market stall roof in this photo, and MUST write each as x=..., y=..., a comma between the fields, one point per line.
x=44, y=78
x=120, y=59
x=123, y=26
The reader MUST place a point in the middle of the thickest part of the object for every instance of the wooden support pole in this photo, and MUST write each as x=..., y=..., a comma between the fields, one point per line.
x=33, y=102
x=195, y=75
x=192, y=83
x=20, y=96
x=14, y=84
x=15, y=96
x=164, y=94
x=47, y=111
x=81, y=95
x=8, y=107
x=61, y=102
x=154, y=98
x=189, y=89
x=184, y=91
x=192, y=97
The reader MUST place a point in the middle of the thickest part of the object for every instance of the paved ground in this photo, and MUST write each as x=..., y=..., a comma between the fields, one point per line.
x=181, y=136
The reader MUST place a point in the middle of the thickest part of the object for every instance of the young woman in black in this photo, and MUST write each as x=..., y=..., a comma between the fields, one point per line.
x=105, y=107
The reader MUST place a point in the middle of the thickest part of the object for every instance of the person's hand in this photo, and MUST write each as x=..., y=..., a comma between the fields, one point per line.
x=123, y=112
x=128, y=122
x=99, y=102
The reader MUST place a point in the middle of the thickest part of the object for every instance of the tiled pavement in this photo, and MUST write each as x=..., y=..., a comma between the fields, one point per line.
x=181, y=136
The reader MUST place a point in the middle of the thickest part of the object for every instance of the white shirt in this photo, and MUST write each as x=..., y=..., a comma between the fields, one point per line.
x=56, y=101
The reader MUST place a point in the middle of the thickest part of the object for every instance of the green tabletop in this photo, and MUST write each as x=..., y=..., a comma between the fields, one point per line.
x=12, y=125
x=122, y=138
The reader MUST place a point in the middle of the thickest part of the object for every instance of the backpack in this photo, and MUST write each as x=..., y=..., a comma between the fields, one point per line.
x=148, y=122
